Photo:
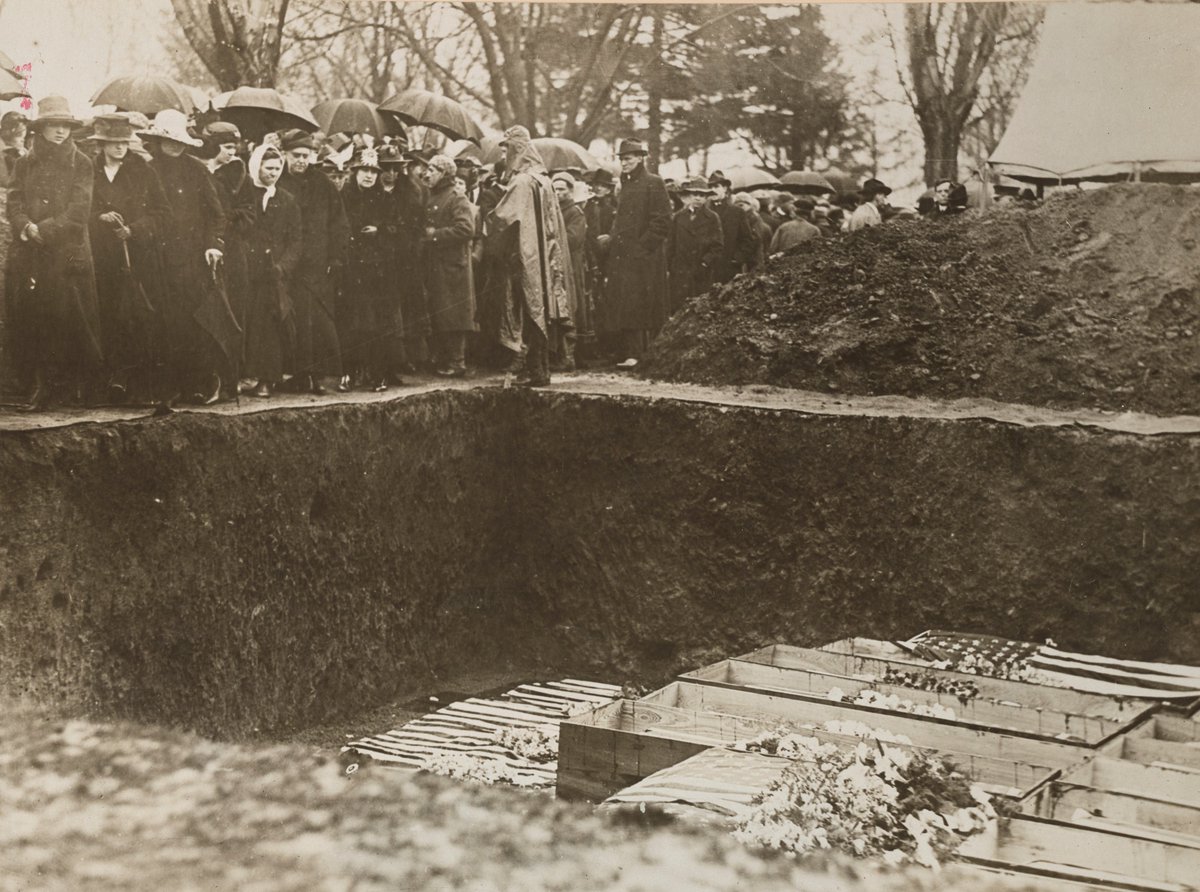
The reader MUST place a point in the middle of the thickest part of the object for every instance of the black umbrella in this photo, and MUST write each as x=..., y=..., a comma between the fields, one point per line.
x=558, y=154
x=420, y=108
x=257, y=111
x=806, y=182
x=12, y=82
x=148, y=95
x=354, y=116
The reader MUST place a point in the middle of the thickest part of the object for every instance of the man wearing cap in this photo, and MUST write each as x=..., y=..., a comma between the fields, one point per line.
x=636, y=300
x=869, y=213
x=694, y=247
x=324, y=241
x=53, y=312
x=531, y=242
x=128, y=207
x=191, y=245
x=449, y=278
x=738, y=246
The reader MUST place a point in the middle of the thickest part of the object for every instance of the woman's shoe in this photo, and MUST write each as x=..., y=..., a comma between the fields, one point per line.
x=343, y=386
x=262, y=390
x=381, y=387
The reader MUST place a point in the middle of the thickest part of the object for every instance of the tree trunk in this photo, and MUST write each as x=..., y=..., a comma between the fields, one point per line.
x=942, y=140
x=654, y=91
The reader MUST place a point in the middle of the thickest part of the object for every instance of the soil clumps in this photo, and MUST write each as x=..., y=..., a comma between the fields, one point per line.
x=1090, y=300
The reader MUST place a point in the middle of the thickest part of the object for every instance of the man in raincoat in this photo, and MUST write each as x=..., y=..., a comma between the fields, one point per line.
x=539, y=288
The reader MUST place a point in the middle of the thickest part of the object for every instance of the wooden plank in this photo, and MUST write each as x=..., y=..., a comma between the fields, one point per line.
x=1002, y=690
x=1151, y=781
x=1151, y=750
x=1024, y=838
x=1177, y=729
x=1053, y=879
x=936, y=734
x=1062, y=800
x=981, y=712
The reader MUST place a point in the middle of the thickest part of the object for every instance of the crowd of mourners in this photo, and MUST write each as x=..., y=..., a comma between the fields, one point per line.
x=155, y=262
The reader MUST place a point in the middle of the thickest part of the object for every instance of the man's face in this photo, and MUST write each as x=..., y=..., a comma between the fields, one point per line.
x=692, y=200
x=116, y=151
x=432, y=176
x=460, y=186
x=270, y=170
x=629, y=163
x=56, y=133
x=601, y=190
x=880, y=199
x=562, y=189
x=941, y=193
x=339, y=178
x=388, y=177
x=298, y=160
x=720, y=191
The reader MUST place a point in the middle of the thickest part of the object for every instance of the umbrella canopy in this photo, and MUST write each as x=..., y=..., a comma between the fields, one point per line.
x=744, y=178
x=12, y=83
x=559, y=154
x=260, y=110
x=352, y=116
x=148, y=95
x=420, y=108
x=805, y=182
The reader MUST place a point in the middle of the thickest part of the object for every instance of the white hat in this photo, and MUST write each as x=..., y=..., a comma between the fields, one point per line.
x=170, y=123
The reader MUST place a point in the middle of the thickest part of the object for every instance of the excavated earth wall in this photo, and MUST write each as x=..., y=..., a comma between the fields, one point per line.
x=263, y=572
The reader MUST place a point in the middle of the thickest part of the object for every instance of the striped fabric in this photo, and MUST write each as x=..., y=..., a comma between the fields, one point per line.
x=1082, y=672
x=470, y=727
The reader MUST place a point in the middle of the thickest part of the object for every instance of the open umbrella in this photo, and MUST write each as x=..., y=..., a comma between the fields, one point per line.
x=559, y=154
x=420, y=108
x=805, y=182
x=260, y=110
x=146, y=94
x=745, y=178
x=352, y=116
x=12, y=82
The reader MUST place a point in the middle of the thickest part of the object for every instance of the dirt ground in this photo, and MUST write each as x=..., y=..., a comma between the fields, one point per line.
x=131, y=808
x=1091, y=300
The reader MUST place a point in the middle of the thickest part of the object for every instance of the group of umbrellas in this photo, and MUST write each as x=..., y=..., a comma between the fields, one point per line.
x=260, y=110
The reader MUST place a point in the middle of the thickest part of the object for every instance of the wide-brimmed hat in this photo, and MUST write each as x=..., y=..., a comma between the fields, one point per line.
x=112, y=128
x=873, y=187
x=602, y=177
x=631, y=147
x=367, y=159
x=170, y=123
x=54, y=110
x=718, y=178
x=695, y=186
x=390, y=156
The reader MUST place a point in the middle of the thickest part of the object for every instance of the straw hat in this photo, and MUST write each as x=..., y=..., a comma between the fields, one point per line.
x=170, y=123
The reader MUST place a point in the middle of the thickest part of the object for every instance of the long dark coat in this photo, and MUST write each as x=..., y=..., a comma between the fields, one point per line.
x=693, y=251
x=740, y=243
x=54, y=318
x=410, y=202
x=324, y=243
x=196, y=224
x=229, y=179
x=449, y=280
x=130, y=291
x=636, y=298
x=365, y=287
x=272, y=240
x=583, y=316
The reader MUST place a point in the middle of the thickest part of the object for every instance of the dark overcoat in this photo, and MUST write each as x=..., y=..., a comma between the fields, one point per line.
x=324, y=242
x=449, y=280
x=272, y=240
x=364, y=291
x=130, y=292
x=196, y=224
x=693, y=251
x=584, y=315
x=52, y=307
x=636, y=297
x=410, y=202
x=740, y=243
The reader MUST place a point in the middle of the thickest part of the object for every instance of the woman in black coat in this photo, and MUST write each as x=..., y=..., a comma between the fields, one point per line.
x=366, y=290
x=54, y=320
x=128, y=208
x=268, y=222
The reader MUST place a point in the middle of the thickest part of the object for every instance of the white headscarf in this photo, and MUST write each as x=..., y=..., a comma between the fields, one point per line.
x=255, y=166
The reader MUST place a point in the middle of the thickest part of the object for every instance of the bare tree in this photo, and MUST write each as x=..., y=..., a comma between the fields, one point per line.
x=950, y=55
x=239, y=41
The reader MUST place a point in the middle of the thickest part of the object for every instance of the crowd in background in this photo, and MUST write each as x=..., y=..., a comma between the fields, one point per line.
x=153, y=263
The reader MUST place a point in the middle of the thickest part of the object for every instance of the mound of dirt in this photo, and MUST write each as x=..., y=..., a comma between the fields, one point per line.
x=1091, y=300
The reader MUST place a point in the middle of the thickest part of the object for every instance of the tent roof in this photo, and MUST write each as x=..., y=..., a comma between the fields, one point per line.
x=1115, y=89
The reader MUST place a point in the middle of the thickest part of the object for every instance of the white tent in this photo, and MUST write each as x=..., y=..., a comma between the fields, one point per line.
x=1114, y=95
